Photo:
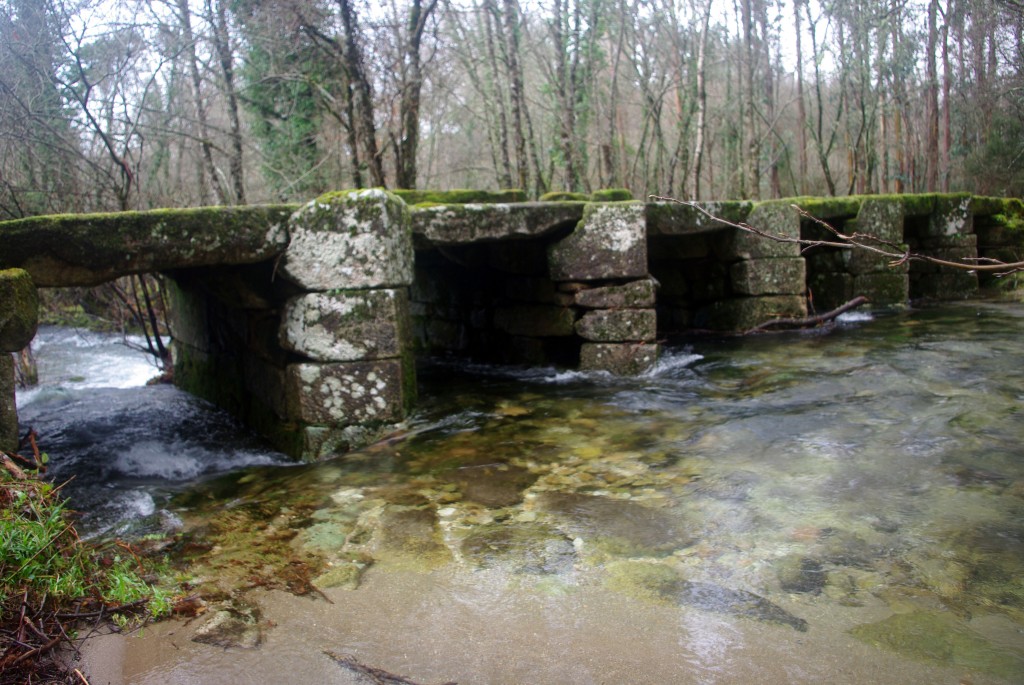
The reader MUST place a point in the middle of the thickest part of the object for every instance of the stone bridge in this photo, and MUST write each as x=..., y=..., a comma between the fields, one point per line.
x=306, y=320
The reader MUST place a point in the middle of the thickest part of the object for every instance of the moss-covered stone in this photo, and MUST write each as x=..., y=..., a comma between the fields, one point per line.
x=88, y=249
x=775, y=218
x=347, y=325
x=522, y=548
x=564, y=196
x=951, y=215
x=671, y=218
x=637, y=294
x=784, y=276
x=612, y=195
x=881, y=218
x=460, y=196
x=618, y=325
x=828, y=208
x=829, y=289
x=862, y=261
x=345, y=393
x=350, y=239
x=609, y=242
x=445, y=225
x=940, y=638
x=19, y=310
x=621, y=359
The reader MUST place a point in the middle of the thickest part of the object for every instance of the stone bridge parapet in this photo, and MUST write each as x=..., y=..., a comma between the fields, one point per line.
x=306, y=320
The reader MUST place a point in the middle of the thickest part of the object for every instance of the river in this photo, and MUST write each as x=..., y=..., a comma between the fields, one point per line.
x=840, y=506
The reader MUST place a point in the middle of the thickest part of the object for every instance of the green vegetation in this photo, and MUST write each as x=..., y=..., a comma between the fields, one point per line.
x=49, y=578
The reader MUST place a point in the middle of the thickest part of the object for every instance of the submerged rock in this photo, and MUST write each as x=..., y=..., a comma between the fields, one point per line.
x=661, y=583
x=621, y=527
x=234, y=624
x=492, y=485
x=800, y=574
x=524, y=547
x=940, y=638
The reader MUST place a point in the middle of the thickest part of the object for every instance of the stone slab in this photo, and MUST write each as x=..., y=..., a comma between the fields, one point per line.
x=89, y=249
x=784, y=276
x=346, y=393
x=609, y=242
x=618, y=325
x=349, y=240
x=462, y=224
x=859, y=261
x=347, y=325
x=672, y=218
x=19, y=310
x=636, y=294
x=622, y=359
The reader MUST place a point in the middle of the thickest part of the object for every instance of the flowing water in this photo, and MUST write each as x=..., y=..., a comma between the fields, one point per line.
x=839, y=507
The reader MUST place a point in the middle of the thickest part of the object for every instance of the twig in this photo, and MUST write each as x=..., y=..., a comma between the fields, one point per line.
x=377, y=675
x=808, y=321
x=860, y=241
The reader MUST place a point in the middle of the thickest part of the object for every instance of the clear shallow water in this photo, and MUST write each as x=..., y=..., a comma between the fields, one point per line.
x=841, y=507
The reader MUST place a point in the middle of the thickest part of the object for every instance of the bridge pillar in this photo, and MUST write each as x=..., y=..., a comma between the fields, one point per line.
x=19, y=316
x=351, y=369
x=603, y=263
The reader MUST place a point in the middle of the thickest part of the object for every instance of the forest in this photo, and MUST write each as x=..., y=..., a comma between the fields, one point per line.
x=111, y=105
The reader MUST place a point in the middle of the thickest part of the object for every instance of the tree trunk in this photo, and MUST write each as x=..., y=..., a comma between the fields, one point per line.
x=366, y=129
x=225, y=54
x=702, y=100
x=932, y=101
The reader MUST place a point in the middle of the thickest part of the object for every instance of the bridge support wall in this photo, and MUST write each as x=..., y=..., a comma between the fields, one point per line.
x=304, y=321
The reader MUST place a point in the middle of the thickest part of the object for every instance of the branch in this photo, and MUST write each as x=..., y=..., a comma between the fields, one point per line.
x=862, y=241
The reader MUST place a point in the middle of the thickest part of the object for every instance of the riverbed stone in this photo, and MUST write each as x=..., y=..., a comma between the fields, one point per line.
x=234, y=624
x=19, y=310
x=618, y=325
x=621, y=359
x=616, y=526
x=636, y=294
x=342, y=393
x=523, y=548
x=610, y=241
x=350, y=240
x=347, y=325
x=785, y=276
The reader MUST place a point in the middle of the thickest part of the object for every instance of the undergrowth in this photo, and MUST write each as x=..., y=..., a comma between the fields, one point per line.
x=53, y=586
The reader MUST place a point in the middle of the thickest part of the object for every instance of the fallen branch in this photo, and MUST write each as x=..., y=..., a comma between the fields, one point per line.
x=809, y=321
x=377, y=675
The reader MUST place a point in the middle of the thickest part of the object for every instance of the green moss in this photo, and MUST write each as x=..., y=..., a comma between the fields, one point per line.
x=19, y=311
x=827, y=208
x=561, y=196
x=941, y=639
x=460, y=196
x=612, y=195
